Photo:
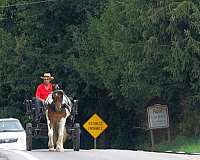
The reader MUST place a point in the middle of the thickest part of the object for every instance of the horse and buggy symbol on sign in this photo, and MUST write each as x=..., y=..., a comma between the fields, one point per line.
x=56, y=120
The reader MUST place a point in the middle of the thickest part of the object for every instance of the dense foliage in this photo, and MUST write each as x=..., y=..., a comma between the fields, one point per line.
x=114, y=56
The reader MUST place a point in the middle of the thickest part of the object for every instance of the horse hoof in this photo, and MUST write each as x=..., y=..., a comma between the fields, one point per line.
x=51, y=149
x=58, y=149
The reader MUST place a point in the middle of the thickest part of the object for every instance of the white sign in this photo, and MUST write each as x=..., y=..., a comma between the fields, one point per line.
x=158, y=116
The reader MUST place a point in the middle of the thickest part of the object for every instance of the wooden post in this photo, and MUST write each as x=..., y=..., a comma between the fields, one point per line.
x=168, y=134
x=152, y=140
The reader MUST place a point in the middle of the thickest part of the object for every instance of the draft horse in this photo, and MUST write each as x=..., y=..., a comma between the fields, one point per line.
x=58, y=108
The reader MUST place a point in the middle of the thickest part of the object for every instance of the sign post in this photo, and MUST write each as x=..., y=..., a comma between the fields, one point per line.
x=95, y=143
x=158, y=118
x=152, y=140
x=95, y=126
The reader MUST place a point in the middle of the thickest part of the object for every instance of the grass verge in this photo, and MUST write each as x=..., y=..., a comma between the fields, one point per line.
x=180, y=144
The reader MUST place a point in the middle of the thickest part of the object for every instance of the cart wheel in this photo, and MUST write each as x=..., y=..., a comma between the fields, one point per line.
x=76, y=137
x=29, y=136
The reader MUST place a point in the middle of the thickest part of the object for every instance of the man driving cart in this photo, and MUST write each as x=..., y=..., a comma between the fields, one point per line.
x=42, y=92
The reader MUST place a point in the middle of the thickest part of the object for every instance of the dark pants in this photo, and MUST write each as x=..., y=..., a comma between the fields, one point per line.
x=38, y=105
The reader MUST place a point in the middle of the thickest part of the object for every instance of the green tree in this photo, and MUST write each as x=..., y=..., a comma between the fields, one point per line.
x=137, y=50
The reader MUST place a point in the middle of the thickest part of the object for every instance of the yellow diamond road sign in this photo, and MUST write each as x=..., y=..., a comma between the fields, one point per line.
x=95, y=125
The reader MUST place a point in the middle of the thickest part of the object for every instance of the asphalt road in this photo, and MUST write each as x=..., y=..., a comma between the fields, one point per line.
x=109, y=154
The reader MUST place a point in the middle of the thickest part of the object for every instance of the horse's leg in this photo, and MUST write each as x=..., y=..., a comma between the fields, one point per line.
x=61, y=127
x=50, y=134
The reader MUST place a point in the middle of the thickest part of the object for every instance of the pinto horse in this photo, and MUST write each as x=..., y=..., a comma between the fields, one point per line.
x=58, y=108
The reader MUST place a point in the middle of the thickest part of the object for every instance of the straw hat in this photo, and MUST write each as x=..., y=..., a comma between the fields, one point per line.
x=47, y=76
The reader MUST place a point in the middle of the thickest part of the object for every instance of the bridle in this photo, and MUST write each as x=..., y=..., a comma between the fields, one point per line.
x=55, y=95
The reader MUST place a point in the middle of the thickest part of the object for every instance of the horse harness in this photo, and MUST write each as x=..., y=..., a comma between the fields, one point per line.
x=66, y=103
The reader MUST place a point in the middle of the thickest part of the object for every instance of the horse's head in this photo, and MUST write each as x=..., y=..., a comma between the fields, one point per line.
x=57, y=97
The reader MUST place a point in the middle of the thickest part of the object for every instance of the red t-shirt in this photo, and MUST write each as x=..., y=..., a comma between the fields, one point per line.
x=42, y=92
